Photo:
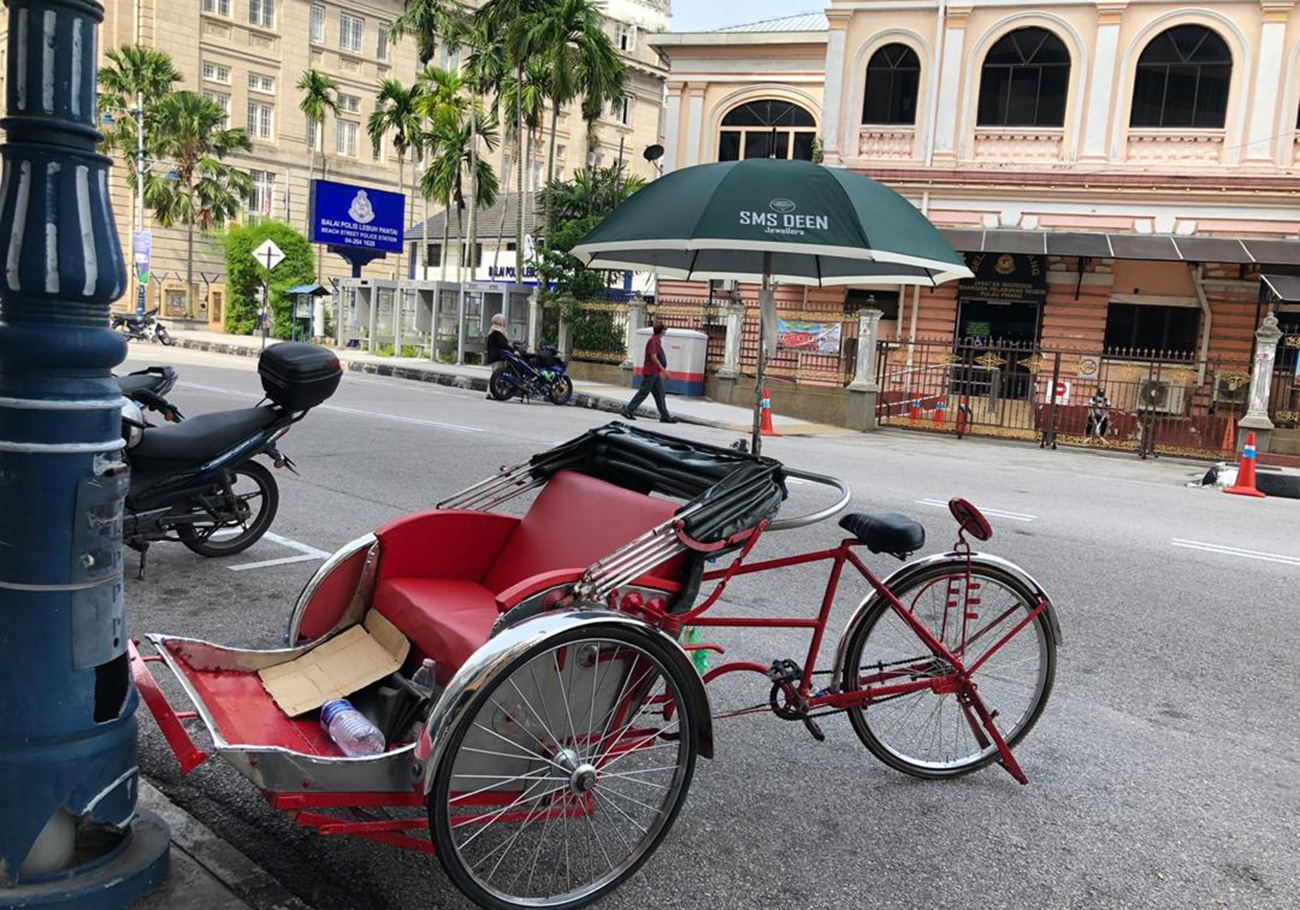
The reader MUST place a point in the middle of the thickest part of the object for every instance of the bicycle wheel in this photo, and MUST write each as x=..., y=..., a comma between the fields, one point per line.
x=565, y=772
x=931, y=734
x=230, y=524
x=561, y=391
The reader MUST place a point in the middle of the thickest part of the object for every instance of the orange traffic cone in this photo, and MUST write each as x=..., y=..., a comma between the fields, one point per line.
x=766, y=428
x=914, y=412
x=1245, y=485
x=939, y=407
x=1230, y=434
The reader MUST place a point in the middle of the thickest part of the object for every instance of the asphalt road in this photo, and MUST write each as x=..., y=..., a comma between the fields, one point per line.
x=1165, y=772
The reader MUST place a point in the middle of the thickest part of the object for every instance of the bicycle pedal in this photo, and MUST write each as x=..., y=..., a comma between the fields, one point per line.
x=815, y=729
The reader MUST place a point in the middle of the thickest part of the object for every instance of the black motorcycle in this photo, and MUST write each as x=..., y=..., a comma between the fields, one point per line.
x=142, y=327
x=540, y=375
x=197, y=482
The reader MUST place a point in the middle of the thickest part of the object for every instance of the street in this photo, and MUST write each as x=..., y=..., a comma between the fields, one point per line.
x=1165, y=772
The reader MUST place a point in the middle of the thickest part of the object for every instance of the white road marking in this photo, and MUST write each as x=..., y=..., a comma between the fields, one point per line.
x=309, y=554
x=268, y=563
x=407, y=385
x=1236, y=551
x=415, y=420
x=342, y=410
x=995, y=513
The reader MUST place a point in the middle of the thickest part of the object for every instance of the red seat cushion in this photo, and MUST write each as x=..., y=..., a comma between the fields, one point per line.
x=574, y=521
x=445, y=619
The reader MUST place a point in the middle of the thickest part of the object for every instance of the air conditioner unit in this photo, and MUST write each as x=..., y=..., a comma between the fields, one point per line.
x=1225, y=393
x=1162, y=397
x=722, y=284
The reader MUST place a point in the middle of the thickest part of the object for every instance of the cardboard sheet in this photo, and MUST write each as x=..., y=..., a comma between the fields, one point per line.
x=345, y=664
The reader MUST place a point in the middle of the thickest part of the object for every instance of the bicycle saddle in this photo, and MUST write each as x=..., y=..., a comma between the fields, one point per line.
x=889, y=532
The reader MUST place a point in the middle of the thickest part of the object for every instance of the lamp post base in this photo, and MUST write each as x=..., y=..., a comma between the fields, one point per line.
x=130, y=870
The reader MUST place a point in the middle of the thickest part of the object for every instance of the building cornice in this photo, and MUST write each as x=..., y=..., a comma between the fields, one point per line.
x=1223, y=186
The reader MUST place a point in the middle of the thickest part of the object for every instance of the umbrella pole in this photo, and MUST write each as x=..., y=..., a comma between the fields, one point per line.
x=756, y=438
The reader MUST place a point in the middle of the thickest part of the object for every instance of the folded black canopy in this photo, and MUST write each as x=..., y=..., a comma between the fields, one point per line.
x=734, y=491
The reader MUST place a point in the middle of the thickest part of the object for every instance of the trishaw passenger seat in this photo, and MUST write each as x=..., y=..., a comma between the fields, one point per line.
x=575, y=521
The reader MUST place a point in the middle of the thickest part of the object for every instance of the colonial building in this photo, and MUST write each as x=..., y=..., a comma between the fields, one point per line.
x=248, y=56
x=1120, y=175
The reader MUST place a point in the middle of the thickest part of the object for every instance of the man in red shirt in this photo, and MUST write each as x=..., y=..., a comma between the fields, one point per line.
x=653, y=374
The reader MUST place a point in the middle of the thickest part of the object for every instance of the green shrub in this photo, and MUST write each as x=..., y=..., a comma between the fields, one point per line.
x=244, y=275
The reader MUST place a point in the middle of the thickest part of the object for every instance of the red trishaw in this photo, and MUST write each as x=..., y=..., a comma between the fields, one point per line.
x=559, y=751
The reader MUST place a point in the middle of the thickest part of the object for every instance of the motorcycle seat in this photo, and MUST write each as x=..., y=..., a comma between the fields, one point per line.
x=136, y=382
x=198, y=439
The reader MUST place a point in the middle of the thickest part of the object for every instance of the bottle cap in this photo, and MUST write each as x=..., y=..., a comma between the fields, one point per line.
x=332, y=709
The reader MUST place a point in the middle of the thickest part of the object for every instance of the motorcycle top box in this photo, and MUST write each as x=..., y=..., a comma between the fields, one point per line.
x=298, y=376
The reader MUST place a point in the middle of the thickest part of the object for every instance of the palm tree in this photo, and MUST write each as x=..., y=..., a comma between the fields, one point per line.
x=443, y=92
x=531, y=96
x=134, y=80
x=510, y=29
x=426, y=20
x=202, y=189
x=453, y=163
x=320, y=97
x=583, y=63
x=397, y=111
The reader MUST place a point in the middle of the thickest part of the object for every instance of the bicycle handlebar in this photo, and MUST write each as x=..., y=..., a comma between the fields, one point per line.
x=786, y=524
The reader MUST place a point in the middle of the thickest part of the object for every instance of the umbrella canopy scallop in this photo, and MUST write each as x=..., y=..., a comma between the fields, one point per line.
x=792, y=222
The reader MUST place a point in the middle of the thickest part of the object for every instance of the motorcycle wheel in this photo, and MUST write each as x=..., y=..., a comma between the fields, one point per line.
x=561, y=391
x=500, y=387
x=209, y=536
x=165, y=337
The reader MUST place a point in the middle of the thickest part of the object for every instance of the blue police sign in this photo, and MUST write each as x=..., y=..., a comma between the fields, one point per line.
x=344, y=214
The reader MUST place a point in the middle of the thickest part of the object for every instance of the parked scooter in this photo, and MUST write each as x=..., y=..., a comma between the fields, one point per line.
x=143, y=327
x=197, y=482
x=540, y=375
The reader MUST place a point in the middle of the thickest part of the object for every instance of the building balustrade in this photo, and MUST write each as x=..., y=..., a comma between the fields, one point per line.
x=1017, y=145
x=1182, y=146
x=887, y=143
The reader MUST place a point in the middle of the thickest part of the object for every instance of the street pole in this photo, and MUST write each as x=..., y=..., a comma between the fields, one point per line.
x=69, y=832
x=266, y=295
x=139, y=191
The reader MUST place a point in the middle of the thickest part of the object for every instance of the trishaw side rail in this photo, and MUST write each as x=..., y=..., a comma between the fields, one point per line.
x=169, y=721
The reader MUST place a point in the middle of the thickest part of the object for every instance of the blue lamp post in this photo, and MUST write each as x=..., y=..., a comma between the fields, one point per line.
x=69, y=832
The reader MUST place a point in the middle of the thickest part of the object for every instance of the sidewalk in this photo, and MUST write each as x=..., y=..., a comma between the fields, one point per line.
x=206, y=872
x=595, y=395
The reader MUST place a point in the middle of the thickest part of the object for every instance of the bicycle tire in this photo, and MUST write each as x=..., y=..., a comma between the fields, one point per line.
x=869, y=726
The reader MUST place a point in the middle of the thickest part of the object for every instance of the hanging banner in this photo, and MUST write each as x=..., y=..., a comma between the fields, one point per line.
x=809, y=337
x=142, y=251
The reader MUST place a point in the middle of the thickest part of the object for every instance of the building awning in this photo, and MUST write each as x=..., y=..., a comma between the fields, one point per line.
x=1150, y=247
x=1286, y=288
x=314, y=290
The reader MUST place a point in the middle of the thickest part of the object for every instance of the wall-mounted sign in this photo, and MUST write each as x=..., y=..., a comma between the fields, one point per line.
x=809, y=337
x=1089, y=367
x=1004, y=278
x=360, y=217
x=1062, y=391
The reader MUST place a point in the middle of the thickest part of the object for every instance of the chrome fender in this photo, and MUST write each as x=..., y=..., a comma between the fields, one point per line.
x=493, y=657
x=361, y=598
x=901, y=578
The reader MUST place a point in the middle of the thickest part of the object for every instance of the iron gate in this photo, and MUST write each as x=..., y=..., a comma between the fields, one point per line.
x=1149, y=402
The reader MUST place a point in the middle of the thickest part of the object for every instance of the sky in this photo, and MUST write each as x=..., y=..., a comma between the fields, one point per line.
x=702, y=15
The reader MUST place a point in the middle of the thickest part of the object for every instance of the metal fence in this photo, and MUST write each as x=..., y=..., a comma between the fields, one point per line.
x=1150, y=402
x=1284, y=394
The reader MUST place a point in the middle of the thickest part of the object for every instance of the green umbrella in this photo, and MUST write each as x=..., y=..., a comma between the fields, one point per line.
x=822, y=226
x=772, y=221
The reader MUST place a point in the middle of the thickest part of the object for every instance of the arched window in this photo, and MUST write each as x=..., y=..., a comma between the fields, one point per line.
x=767, y=129
x=1182, y=80
x=893, y=79
x=1025, y=80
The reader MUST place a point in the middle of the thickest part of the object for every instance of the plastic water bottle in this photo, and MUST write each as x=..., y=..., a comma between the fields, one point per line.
x=426, y=678
x=351, y=730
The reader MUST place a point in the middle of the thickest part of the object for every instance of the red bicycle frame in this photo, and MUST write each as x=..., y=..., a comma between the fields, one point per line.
x=872, y=688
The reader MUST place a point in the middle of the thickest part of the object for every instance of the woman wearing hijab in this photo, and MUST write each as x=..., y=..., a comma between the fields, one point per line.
x=498, y=342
